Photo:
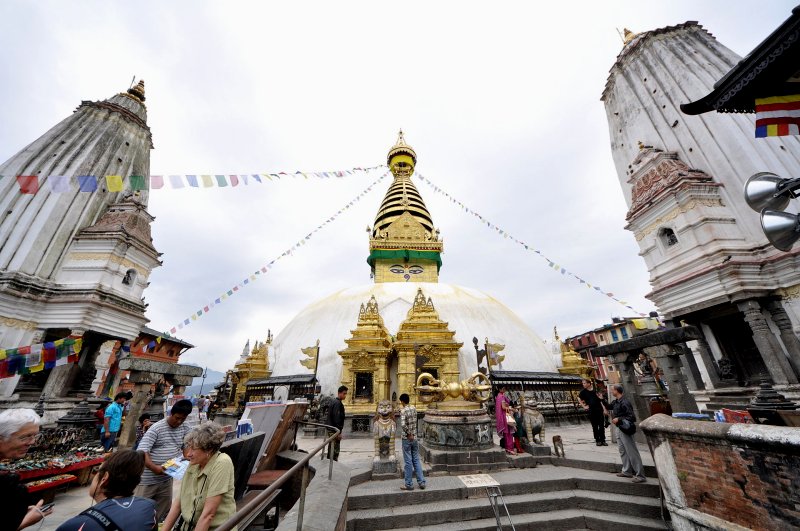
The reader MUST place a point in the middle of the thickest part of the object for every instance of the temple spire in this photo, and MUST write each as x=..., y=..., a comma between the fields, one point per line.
x=138, y=91
x=404, y=245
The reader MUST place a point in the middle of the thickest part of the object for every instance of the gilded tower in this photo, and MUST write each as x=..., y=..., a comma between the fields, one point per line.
x=404, y=246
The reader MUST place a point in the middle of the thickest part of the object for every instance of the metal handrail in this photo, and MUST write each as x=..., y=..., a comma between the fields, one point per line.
x=255, y=503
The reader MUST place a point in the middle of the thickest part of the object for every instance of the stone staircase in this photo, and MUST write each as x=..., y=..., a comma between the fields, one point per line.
x=545, y=497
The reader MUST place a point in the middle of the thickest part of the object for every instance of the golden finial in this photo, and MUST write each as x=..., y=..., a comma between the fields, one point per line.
x=138, y=91
x=641, y=145
x=401, y=148
x=628, y=36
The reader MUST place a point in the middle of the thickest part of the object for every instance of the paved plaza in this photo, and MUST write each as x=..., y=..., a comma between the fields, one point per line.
x=357, y=453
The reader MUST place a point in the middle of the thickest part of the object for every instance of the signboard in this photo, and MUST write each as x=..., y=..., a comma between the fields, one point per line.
x=479, y=480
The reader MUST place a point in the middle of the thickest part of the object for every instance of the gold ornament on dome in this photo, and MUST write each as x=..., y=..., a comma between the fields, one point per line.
x=571, y=361
x=467, y=394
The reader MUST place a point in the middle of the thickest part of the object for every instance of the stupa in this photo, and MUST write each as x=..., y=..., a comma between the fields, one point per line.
x=378, y=338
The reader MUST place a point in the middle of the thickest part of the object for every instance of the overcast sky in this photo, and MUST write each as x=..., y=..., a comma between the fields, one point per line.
x=500, y=101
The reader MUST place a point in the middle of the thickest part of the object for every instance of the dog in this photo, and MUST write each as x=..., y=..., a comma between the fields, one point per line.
x=558, y=445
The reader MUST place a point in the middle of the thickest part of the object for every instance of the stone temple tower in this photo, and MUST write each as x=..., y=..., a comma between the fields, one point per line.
x=682, y=177
x=74, y=262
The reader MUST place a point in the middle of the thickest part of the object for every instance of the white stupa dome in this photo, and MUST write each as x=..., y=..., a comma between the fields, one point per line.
x=468, y=312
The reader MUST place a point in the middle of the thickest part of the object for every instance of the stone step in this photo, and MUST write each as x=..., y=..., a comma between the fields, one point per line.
x=477, y=508
x=552, y=521
x=588, y=464
x=545, y=478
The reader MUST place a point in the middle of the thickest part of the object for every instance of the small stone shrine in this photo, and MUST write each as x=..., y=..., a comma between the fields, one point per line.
x=385, y=429
x=457, y=432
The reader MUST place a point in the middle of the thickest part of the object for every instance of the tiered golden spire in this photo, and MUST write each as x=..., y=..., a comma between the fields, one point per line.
x=138, y=91
x=571, y=361
x=628, y=36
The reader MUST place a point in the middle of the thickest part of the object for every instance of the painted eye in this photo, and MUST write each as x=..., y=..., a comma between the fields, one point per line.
x=415, y=270
x=397, y=269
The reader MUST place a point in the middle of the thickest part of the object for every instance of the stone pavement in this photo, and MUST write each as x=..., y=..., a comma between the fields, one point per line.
x=357, y=452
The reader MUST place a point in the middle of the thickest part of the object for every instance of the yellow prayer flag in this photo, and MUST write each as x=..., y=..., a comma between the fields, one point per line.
x=37, y=368
x=114, y=183
x=2, y=354
x=158, y=339
x=58, y=342
x=640, y=324
x=76, y=347
x=207, y=182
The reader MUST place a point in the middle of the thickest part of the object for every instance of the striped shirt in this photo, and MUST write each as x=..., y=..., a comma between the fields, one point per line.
x=162, y=442
x=408, y=421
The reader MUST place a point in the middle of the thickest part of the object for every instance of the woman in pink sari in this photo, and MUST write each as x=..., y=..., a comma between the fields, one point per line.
x=502, y=407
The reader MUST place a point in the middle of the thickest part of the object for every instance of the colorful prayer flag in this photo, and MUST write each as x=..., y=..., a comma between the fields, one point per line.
x=58, y=183
x=207, y=182
x=114, y=183
x=221, y=181
x=176, y=181
x=192, y=179
x=778, y=116
x=87, y=183
x=234, y=180
x=28, y=184
x=156, y=182
x=137, y=182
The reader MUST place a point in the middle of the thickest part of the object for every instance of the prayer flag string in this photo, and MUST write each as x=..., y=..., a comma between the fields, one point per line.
x=194, y=316
x=32, y=184
x=505, y=234
x=36, y=358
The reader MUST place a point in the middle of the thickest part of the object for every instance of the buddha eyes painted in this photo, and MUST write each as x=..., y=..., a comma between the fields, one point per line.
x=406, y=271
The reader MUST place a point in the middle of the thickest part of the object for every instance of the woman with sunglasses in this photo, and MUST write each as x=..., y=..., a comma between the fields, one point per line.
x=112, y=488
x=206, y=499
x=18, y=431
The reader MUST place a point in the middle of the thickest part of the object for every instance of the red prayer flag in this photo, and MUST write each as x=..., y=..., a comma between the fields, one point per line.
x=234, y=180
x=28, y=184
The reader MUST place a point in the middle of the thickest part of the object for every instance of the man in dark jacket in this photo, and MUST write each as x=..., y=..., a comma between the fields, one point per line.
x=336, y=419
x=592, y=404
x=623, y=417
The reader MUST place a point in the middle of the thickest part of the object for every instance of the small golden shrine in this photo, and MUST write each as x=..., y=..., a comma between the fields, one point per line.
x=425, y=343
x=365, y=361
x=252, y=366
x=571, y=361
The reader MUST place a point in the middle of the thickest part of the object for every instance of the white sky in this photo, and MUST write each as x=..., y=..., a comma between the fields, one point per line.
x=500, y=101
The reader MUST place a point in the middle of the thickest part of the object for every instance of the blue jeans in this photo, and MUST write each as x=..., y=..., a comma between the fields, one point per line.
x=412, y=462
x=109, y=443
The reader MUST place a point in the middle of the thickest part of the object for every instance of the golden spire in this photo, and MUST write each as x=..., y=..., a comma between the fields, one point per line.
x=628, y=36
x=401, y=148
x=138, y=91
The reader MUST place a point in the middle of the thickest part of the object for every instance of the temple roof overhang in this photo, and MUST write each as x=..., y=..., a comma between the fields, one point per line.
x=526, y=376
x=771, y=69
x=285, y=380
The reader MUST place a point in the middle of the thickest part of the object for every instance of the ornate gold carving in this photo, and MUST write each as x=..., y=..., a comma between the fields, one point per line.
x=674, y=213
x=469, y=393
x=789, y=293
x=18, y=323
x=100, y=257
x=363, y=361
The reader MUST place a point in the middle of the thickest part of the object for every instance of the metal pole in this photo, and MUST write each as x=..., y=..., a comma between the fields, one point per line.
x=302, y=507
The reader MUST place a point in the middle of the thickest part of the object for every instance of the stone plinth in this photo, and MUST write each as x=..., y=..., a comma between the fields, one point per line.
x=460, y=441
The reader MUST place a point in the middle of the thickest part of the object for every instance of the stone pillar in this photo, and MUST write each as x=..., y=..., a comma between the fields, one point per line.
x=704, y=349
x=668, y=360
x=771, y=352
x=790, y=340
x=101, y=364
x=624, y=364
x=141, y=388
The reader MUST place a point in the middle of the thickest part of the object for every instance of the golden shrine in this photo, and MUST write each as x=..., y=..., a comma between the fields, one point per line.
x=571, y=361
x=250, y=366
x=424, y=344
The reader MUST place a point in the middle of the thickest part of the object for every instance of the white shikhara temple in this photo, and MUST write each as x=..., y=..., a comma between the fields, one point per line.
x=369, y=334
x=71, y=262
x=682, y=177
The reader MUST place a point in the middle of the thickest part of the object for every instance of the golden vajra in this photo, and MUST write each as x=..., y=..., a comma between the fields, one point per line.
x=430, y=389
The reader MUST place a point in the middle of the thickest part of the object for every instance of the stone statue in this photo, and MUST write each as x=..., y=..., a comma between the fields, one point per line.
x=534, y=421
x=384, y=428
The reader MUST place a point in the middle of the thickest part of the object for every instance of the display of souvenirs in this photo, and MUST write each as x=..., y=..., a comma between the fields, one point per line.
x=44, y=483
x=46, y=460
